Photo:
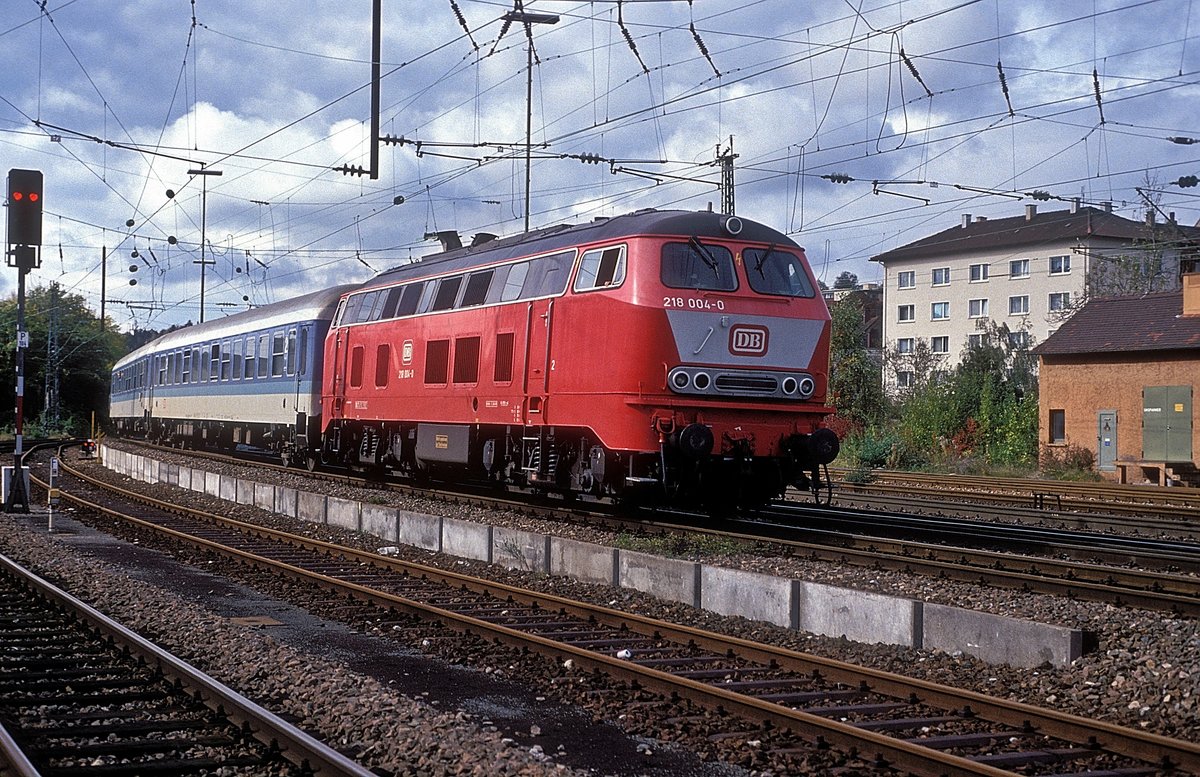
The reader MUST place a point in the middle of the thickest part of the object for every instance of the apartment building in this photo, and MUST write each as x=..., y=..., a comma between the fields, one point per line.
x=1027, y=272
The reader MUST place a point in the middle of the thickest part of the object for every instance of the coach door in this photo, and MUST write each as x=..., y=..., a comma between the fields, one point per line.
x=538, y=363
x=341, y=348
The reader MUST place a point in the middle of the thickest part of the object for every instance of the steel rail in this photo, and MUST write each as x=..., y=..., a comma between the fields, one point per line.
x=265, y=726
x=901, y=754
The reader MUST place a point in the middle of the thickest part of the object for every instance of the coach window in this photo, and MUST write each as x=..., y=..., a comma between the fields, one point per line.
x=366, y=308
x=447, y=293
x=548, y=275
x=248, y=373
x=437, y=360
x=601, y=268
x=264, y=356
x=772, y=271
x=278, y=354
x=303, y=351
x=226, y=361
x=693, y=265
x=350, y=309
x=390, y=304
x=409, y=299
x=291, y=352
x=383, y=364
x=160, y=363
x=478, y=284
x=356, y=366
x=514, y=280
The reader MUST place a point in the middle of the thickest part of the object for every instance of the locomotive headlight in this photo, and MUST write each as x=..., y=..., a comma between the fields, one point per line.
x=733, y=225
x=788, y=385
x=701, y=380
x=680, y=379
x=807, y=387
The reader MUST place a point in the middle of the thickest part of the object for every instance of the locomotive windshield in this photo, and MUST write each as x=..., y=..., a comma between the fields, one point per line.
x=772, y=271
x=693, y=265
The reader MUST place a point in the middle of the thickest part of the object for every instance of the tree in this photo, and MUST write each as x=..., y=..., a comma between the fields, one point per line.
x=847, y=280
x=855, y=388
x=85, y=355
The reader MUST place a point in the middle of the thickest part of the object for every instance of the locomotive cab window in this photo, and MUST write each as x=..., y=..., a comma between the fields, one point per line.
x=547, y=275
x=773, y=271
x=694, y=265
x=601, y=268
x=350, y=309
x=514, y=280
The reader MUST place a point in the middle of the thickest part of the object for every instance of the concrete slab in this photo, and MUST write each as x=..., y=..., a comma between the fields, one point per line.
x=466, y=539
x=420, y=530
x=212, y=484
x=227, y=489
x=311, y=507
x=380, y=521
x=342, y=512
x=170, y=474
x=244, y=491
x=584, y=561
x=264, y=496
x=749, y=594
x=522, y=550
x=285, y=501
x=998, y=639
x=858, y=615
x=666, y=578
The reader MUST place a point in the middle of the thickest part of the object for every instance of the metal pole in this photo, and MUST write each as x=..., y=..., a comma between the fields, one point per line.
x=204, y=173
x=376, y=48
x=528, y=120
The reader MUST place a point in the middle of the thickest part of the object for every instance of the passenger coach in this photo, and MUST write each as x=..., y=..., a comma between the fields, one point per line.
x=251, y=379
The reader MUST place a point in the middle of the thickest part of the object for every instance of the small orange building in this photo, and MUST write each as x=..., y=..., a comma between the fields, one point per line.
x=1120, y=377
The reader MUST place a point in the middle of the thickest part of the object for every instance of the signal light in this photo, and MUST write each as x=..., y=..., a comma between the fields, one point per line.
x=25, y=207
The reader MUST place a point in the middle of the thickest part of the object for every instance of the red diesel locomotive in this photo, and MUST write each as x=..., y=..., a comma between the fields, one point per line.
x=671, y=355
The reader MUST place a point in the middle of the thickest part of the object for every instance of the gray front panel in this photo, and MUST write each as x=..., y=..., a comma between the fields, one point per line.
x=443, y=442
x=704, y=337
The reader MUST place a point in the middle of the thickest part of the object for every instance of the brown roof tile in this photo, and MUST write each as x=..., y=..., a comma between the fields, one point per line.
x=1148, y=322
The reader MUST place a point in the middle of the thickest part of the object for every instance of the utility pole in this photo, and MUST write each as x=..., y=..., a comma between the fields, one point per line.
x=528, y=19
x=203, y=172
x=725, y=160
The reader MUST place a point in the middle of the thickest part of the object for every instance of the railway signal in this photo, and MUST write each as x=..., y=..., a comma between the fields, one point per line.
x=24, y=207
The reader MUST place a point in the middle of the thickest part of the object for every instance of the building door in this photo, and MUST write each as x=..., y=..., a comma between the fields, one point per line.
x=1167, y=423
x=1106, y=440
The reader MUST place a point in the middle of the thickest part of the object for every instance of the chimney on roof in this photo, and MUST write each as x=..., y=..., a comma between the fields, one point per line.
x=1191, y=294
x=1150, y=217
x=979, y=219
x=1030, y=212
x=966, y=220
x=1074, y=204
x=1108, y=207
x=1171, y=217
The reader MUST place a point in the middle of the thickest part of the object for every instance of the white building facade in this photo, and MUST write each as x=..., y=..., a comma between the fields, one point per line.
x=1027, y=273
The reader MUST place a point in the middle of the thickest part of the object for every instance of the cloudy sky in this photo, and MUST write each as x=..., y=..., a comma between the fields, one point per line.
x=631, y=103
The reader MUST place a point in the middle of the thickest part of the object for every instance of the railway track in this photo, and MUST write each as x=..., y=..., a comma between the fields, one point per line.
x=778, y=694
x=80, y=694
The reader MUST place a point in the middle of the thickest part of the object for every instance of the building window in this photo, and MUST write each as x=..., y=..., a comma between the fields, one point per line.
x=975, y=341
x=1058, y=426
x=941, y=276
x=907, y=313
x=1018, y=339
x=1018, y=268
x=1060, y=300
x=939, y=311
x=940, y=344
x=906, y=279
x=1018, y=306
x=904, y=345
x=979, y=273
x=977, y=308
x=904, y=378
x=1060, y=265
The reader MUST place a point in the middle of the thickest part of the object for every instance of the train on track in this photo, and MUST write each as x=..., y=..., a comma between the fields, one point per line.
x=670, y=356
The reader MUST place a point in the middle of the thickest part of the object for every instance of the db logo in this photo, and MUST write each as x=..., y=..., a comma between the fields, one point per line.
x=746, y=340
